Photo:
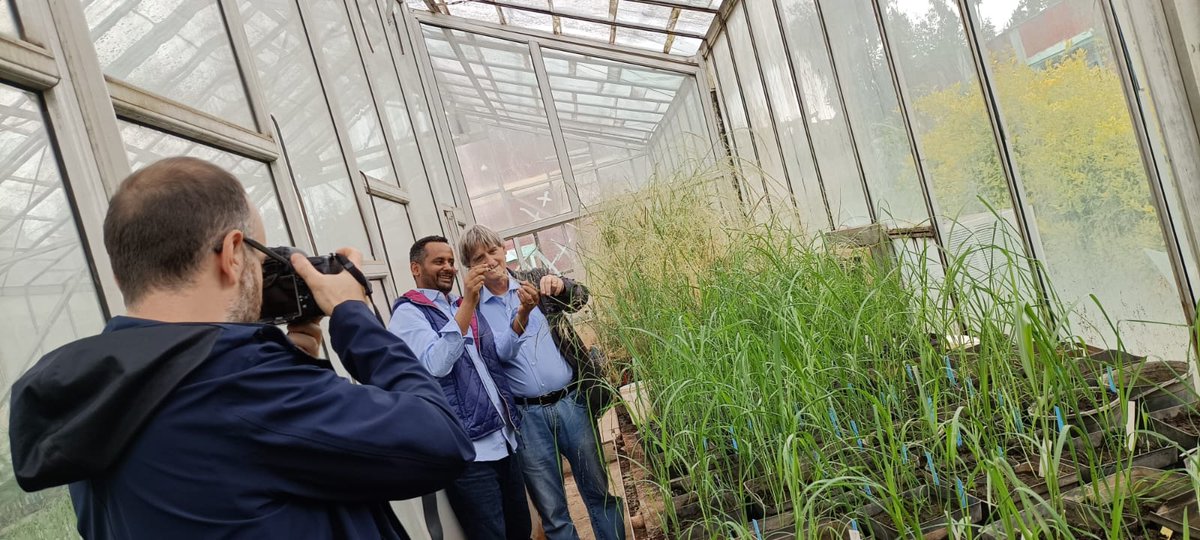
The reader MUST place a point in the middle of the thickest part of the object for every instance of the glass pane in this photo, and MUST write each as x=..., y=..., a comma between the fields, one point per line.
x=349, y=89
x=793, y=138
x=386, y=83
x=178, y=50
x=46, y=291
x=521, y=250
x=145, y=146
x=501, y=133
x=875, y=113
x=419, y=111
x=957, y=145
x=1062, y=101
x=608, y=136
x=556, y=250
x=827, y=125
x=761, y=125
x=8, y=19
x=737, y=127
x=398, y=238
x=293, y=93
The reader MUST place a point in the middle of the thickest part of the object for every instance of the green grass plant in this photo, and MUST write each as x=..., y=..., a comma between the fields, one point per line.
x=807, y=371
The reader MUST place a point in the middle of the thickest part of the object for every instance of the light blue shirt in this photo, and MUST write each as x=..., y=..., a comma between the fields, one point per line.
x=538, y=368
x=438, y=350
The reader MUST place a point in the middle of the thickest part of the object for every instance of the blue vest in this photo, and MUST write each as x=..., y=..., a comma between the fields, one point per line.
x=463, y=386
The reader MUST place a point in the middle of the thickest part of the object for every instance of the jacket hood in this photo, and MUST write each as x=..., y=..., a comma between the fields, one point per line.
x=73, y=414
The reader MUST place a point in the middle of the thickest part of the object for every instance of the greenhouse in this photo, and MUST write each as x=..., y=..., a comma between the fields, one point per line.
x=854, y=268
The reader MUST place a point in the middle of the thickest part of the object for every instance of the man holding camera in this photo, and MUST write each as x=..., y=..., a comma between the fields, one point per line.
x=552, y=388
x=465, y=353
x=186, y=419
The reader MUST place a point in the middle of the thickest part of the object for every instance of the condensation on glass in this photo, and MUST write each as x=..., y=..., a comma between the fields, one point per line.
x=8, y=20
x=386, y=85
x=665, y=26
x=958, y=150
x=398, y=238
x=348, y=88
x=500, y=128
x=613, y=117
x=47, y=294
x=1055, y=74
x=789, y=122
x=681, y=146
x=145, y=145
x=737, y=130
x=178, y=50
x=874, y=111
x=761, y=126
x=554, y=249
x=826, y=121
x=309, y=141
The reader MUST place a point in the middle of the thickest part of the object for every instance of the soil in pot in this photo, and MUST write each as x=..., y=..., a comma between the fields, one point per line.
x=931, y=517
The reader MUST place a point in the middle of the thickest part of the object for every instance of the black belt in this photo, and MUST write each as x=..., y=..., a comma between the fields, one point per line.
x=548, y=399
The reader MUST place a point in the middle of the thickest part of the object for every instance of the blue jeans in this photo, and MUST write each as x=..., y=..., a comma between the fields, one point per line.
x=549, y=432
x=489, y=501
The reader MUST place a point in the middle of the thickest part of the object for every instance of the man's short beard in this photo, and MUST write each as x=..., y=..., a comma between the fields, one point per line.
x=248, y=306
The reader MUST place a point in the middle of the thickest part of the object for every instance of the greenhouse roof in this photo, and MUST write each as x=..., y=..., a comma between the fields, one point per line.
x=674, y=27
x=491, y=80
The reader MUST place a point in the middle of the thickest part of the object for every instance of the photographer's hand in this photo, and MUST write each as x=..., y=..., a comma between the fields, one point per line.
x=306, y=335
x=329, y=290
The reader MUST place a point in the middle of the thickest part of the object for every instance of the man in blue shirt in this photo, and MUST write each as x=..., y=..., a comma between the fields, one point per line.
x=465, y=352
x=555, y=419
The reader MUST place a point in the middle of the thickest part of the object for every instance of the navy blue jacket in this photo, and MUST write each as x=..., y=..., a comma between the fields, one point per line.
x=463, y=387
x=230, y=431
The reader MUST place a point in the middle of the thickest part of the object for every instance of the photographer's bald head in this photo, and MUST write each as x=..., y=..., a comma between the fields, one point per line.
x=175, y=232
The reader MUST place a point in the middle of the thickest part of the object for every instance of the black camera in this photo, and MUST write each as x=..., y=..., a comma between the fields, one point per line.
x=286, y=297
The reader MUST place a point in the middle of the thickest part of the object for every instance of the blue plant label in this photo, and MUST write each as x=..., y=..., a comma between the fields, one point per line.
x=904, y=454
x=932, y=469
x=757, y=531
x=950, y=372
x=833, y=418
x=1112, y=383
x=962, y=495
x=1059, y=416
x=854, y=534
x=958, y=434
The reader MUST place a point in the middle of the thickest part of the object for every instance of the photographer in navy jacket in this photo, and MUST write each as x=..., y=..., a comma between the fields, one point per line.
x=185, y=419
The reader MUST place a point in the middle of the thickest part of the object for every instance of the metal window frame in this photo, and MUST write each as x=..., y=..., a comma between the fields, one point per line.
x=872, y=212
x=766, y=88
x=1167, y=217
x=791, y=62
x=295, y=220
x=535, y=41
x=557, y=41
x=80, y=170
x=757, y=163
x=1026, y=224
x=903, y=101
x=26, y=64
x=349, y=157
x=363, y=47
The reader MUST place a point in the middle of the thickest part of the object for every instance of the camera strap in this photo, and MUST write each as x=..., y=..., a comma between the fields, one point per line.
x=354, y=271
